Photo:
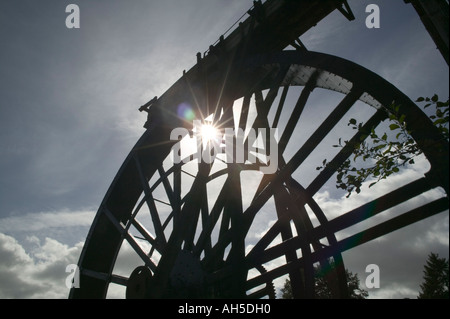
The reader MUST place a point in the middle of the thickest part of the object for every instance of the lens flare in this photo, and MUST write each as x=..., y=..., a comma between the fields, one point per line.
x=208, y=132
x=185, y=111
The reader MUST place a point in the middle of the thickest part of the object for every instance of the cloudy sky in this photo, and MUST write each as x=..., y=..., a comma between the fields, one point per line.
x=68, y=118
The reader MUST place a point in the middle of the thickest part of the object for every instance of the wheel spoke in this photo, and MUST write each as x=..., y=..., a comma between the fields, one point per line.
x=406, y=219
x=244, y=112
x=374, y=207
x=155, y=244
x=205, y=219
x=355, y=216
x=190, y=225
x=345, y=152
x=188, y=216
x=276, y=119
x=273, y=92
x=130, y=240
x=268, y=237
x=296, y=113
x=233, y=209
x=167, y=187
x=323, y=130
x=284, y=207
x=113, y=278
x=205, y=235
x=301, y=198
x=263, y=105
x=119, y=280
x=151, y=204
x=395, y=223
x=301, y=155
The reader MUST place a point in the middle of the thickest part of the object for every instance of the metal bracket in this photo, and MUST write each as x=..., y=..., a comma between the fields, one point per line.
x=146, y=106
x=257, y=11
x=298, y=44
x=345, y=9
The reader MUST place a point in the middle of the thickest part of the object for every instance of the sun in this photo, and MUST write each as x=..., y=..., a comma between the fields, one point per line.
x=208, y=132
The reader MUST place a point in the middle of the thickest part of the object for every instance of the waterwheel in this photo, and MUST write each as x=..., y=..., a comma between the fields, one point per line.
x=196, y=217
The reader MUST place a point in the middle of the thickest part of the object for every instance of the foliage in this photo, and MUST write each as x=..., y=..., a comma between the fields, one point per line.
x=436, y=280
x=377, y=156
x=286, y=291
x=322, y=288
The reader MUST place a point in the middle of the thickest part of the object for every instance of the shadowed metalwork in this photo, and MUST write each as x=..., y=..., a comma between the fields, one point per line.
x=192, y=244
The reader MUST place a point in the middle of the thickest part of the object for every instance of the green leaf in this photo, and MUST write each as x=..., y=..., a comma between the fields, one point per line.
x=440, y=121
x=388, y=150
x=352, y=122
x=420, y=99
x=435, y=98
x=394, y=127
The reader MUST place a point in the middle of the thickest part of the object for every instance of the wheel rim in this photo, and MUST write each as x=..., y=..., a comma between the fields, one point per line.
x=226, y=266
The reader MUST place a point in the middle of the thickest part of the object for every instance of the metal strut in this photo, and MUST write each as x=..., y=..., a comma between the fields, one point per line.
x=435, y=17
x=345, y=9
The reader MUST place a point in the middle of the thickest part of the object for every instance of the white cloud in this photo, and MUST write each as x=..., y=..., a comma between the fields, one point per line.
x=400, y=258
x=36, y=269
x=401, y=254
x=437, y=234
x=334, y=207
x=37, y=274
x=33, y=222
x=393, y=291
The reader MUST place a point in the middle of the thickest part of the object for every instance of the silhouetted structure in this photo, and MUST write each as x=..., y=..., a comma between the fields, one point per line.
x=199, y=250
x=434, y=15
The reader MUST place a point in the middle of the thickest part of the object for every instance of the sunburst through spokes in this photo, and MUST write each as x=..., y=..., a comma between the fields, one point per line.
x=209, y=133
